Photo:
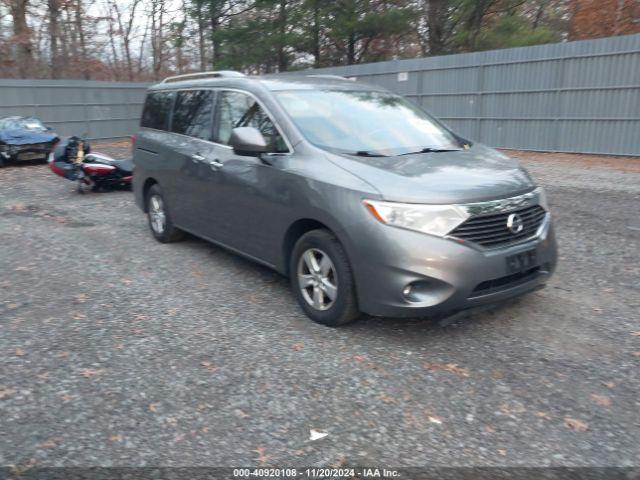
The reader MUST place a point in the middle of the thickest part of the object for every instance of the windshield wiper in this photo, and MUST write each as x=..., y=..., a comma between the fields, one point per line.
x=367, y=153
x=432, y=150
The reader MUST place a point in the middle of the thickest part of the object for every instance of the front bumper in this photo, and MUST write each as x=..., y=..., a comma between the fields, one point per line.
x=27, y=152
x=446, y=276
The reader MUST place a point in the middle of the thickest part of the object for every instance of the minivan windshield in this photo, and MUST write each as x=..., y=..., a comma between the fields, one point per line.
x=365, y=123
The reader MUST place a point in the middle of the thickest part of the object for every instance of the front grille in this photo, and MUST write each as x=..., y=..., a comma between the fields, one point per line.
x=35, y=146
x=491, y=230
x=504, y=283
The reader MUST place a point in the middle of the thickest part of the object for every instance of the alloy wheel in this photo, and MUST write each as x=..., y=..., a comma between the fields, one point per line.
x=157, y=215
x=317, y=279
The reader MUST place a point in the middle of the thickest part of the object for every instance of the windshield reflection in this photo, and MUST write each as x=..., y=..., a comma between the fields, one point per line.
x=364, y=122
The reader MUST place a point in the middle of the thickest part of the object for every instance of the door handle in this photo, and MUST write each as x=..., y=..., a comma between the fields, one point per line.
x=215, y=164
x=196, y=157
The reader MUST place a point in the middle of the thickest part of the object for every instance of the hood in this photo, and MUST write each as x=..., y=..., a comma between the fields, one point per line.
x=473, y=175
x=24, y=137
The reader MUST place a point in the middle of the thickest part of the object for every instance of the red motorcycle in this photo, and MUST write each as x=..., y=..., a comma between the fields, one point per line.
x=72, y=159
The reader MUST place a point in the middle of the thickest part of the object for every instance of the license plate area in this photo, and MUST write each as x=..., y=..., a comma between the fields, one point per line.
x=30, y=155
x=521, y=262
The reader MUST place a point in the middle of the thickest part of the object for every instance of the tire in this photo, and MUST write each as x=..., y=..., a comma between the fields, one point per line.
x=329, y=277
x=161, y=226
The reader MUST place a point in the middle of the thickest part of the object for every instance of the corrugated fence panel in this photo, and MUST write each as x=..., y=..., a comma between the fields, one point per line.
x=581, y=97
x=572, y=97
x=74, y=107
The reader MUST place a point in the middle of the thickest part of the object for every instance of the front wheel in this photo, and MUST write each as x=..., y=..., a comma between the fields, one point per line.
x=322, y=280
x=160, y=222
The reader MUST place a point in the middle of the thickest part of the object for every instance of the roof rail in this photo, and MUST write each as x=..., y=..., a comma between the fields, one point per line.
x=200, y=75
x=322, y=75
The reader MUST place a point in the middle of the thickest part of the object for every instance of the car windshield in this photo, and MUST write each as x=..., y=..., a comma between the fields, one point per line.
x=365, y=123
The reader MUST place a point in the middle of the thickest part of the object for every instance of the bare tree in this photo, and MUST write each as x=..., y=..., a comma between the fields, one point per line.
x=126, y=22
x=22, y=37
x=54, y=35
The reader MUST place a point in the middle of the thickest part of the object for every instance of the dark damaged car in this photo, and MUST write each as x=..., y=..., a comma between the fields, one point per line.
x=25, y=138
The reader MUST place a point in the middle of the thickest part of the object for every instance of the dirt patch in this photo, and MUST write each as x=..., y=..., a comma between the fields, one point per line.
x=625, y=164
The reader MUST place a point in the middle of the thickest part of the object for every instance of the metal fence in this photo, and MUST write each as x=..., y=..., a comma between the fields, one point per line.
x=76, y=107
x=567, y=97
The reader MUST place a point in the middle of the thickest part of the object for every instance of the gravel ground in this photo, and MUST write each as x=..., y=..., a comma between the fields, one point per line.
x=117, y=350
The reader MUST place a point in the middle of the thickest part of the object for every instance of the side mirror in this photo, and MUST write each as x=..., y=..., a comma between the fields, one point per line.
x=248, y=141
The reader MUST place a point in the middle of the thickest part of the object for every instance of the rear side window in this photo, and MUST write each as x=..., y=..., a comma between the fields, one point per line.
x=193, y=114
x=156, y=110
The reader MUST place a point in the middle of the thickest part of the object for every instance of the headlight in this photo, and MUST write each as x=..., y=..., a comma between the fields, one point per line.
x=436, y=220
x=542, y=198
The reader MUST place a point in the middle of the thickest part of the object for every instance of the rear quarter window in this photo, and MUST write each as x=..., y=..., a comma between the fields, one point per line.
x=193, y=114
x=155, y=113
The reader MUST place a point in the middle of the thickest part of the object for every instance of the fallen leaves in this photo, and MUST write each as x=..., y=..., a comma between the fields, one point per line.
x=115, y=438
x=78, y=316
x=90, y=372
x=80, y=298
x=513, y=409
x=435, y=420
x=635, y=334
x=447, y=367
x=297, y=346
x=263, y=458
x=6, y=392
x=51, y=443
x=386, y=398
x=601, y=400
x=153, y=407
x=209, y=366
x=575, y=424
x=20, y=352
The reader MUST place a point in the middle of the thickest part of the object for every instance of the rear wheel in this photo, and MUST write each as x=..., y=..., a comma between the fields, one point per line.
x=160, y=222
x=321, y=279
x=85, y=184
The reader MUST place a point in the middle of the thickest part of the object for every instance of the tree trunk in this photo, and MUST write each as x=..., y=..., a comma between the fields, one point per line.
x=86, y=74
x=351, y=49
x=112, y=43
x=217, y=54
x=282, y=22
x=201, y=44
x=316, y=35
x=54, y=35
x=436, y=18
x=22, y=37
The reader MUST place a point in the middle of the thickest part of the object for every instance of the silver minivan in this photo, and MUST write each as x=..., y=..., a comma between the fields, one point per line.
x=365, y=201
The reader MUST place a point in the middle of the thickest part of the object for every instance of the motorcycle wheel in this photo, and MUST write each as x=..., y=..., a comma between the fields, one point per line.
x=84, y=185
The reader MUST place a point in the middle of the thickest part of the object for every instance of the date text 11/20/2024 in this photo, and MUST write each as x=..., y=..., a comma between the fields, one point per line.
x=312, y=473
